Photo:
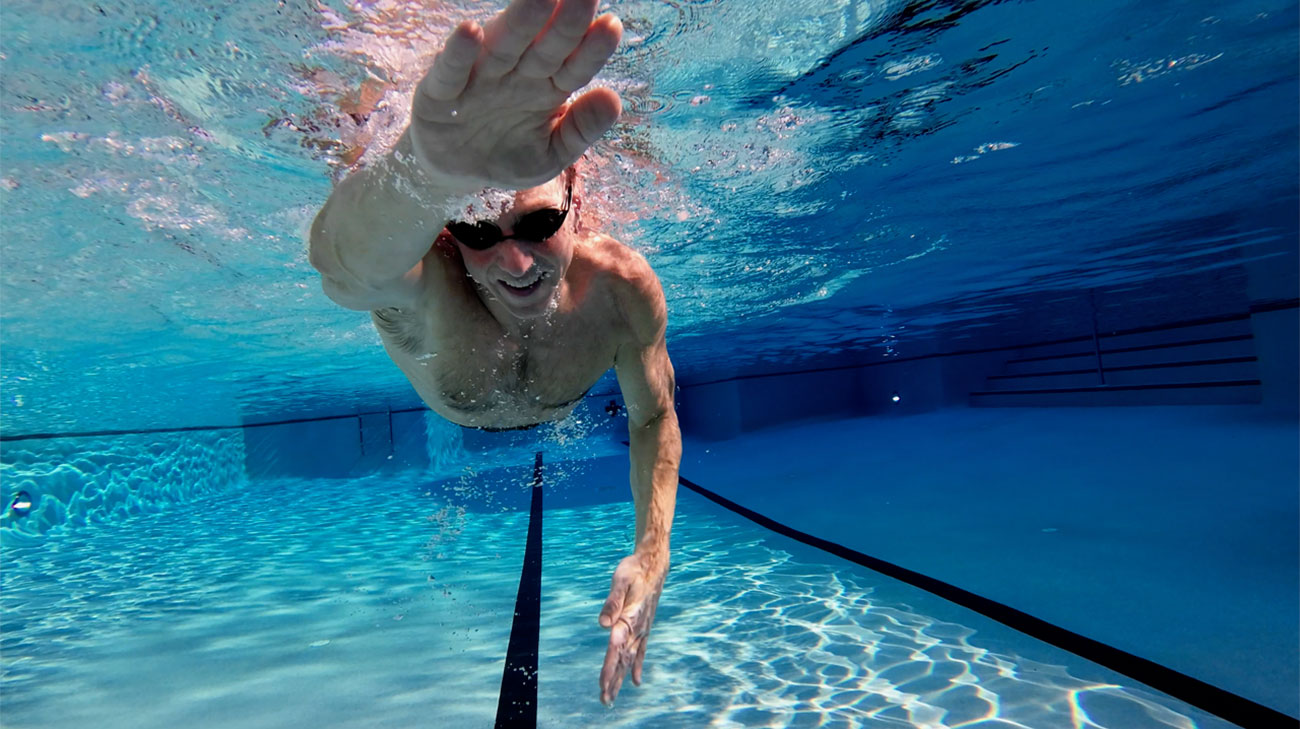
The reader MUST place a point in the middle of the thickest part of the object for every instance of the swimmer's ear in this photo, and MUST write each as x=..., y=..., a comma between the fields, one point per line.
x=577, y=212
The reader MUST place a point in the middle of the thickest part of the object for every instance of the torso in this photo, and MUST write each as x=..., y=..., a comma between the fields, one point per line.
x=472, y=371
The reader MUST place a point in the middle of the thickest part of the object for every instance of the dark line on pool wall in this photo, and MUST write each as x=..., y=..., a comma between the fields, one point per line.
x=1207, y=697
x=517, y=704
x=1124, y=388
x=195, y=428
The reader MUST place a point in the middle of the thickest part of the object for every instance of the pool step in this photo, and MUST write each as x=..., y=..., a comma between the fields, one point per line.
x=1201, y=364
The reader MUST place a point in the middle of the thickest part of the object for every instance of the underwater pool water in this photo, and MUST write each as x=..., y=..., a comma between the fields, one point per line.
x=914, y=187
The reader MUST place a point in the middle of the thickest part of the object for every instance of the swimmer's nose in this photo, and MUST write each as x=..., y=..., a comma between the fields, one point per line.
x=515, y=258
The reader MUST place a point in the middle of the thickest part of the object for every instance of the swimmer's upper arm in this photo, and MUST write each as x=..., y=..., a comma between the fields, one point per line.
x=644, y=370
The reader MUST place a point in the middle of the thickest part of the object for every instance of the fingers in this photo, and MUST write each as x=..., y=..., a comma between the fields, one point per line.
x=645, y=638
x=591, y=54
x=611, y=674
x=450, y=71
x=562, y=35
x=509, y=33
x=636, y=662
x=586, y=119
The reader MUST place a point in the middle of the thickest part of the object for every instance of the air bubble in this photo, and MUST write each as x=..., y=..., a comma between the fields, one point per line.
x=21, y=505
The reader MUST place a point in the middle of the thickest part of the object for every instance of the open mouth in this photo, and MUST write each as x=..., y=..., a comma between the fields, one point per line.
x=526, y=288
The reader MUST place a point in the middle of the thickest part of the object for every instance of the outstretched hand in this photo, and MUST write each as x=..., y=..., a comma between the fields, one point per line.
x=493, y=109
x=629, y=613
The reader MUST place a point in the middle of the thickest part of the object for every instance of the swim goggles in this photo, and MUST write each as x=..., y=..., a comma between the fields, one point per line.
x=535, y=227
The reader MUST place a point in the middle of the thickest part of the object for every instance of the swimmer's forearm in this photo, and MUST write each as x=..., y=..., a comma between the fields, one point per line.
x=381, y=221
x=656, y=453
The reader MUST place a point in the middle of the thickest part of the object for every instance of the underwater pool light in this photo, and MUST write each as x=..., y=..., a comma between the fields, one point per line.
x=21, y=504
x=895, y=397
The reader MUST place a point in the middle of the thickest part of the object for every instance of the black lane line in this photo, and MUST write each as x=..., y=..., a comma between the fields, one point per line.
x=517, y=704
x=1226, y=705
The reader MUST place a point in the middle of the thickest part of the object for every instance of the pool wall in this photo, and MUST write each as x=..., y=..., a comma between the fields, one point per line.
x=343, y=447
x=1252, y=357
x=1235, y=358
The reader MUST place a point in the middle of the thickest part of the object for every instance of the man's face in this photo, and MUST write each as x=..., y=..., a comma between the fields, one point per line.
x=525, y=275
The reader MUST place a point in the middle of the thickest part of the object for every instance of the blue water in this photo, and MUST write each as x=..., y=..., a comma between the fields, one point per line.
x=817, y=184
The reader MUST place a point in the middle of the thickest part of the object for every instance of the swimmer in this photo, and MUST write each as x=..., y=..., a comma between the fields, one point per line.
x=504, y=312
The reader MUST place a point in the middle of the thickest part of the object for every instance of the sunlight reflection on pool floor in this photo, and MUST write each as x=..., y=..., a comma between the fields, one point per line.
x=751, y=636
x=378, y=603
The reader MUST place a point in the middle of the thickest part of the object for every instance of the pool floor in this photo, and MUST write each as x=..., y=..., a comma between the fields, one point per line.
x=387, y=602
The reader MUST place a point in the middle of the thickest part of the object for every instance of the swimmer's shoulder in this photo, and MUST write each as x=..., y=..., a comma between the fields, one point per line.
x=619, y=264
x=632, y=285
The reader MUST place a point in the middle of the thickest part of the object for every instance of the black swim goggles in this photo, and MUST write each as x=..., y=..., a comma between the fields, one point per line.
x=535, y=227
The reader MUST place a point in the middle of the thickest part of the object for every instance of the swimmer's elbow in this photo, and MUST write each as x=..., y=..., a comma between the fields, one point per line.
x=333, y=276
x=341, y=294
x=336, y=281
x=322, y=252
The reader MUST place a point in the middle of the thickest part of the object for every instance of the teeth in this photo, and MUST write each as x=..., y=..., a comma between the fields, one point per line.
x=526, y=284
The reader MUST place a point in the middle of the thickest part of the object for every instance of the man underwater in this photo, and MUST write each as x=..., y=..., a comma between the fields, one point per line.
x=506, y=322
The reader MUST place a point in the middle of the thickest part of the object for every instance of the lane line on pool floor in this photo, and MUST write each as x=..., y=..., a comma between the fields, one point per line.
x=517, y=703
x=1207, y=697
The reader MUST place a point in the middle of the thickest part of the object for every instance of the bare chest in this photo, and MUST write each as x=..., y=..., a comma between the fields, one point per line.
x=480, y=376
